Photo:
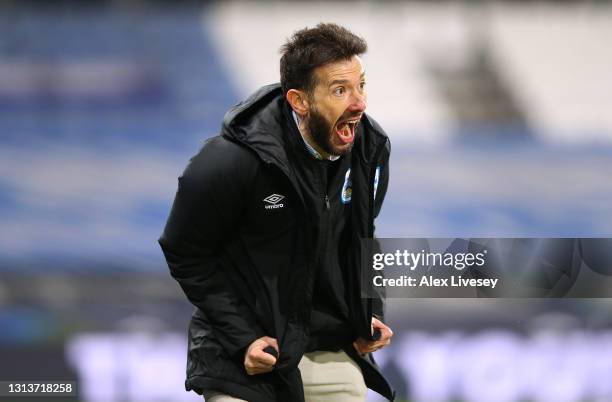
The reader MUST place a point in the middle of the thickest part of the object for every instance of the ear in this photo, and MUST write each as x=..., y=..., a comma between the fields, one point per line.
x=298, y=101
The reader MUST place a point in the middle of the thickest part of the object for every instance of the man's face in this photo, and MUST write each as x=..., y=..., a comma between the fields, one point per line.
x=336, y=105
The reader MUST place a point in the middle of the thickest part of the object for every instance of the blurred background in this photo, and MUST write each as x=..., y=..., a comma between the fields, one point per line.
x=500, y=117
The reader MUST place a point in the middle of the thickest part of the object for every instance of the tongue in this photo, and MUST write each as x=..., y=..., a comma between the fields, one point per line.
x=346, y=132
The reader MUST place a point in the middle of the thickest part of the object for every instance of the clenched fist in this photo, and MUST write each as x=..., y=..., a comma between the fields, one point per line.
x=256, y=361
x=363, y=346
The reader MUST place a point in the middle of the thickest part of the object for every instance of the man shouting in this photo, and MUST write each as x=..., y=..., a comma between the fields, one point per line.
x=264, y=235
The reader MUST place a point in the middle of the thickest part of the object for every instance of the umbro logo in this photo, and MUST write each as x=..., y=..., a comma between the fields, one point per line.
x=273, y=201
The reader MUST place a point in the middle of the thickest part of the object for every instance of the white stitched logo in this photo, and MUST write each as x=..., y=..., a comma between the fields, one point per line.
x=273, y=201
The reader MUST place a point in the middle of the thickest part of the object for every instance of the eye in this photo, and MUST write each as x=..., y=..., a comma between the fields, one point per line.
x=362, y=84
x=339, y=91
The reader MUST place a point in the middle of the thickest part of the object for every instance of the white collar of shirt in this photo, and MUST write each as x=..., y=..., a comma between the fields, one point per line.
x=309, y=147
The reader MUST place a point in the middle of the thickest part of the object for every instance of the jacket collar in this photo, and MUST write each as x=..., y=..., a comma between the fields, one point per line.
x=258, y=123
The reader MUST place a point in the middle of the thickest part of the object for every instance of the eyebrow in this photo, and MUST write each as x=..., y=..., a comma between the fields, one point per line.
x=334, y=82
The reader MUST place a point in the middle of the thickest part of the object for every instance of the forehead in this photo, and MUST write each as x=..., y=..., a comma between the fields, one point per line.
x=338, y=70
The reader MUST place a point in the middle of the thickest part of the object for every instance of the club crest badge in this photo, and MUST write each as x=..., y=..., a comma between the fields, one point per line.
x=376, y=177
x=347, y=188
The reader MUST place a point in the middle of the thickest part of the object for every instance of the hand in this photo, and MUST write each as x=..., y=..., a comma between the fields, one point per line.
x=256, y=361
x=363, y=346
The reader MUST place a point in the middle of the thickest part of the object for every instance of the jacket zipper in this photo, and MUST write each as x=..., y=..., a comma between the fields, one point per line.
x=324, y=219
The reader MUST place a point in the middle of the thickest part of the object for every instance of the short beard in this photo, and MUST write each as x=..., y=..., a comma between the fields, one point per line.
x=321, y=132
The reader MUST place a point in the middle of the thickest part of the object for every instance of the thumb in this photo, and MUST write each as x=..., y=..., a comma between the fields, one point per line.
x=272, y=342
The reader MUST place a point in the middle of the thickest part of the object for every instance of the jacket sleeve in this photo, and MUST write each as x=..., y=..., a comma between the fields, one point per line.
x=378, y=303
x=205, y=213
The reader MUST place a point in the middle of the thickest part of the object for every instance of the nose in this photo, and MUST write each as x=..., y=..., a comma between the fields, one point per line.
x=358, y=102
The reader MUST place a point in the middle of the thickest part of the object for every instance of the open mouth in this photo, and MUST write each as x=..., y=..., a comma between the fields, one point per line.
x=346, y=130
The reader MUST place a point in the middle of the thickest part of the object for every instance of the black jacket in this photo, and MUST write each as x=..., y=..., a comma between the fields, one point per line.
x=248, y=268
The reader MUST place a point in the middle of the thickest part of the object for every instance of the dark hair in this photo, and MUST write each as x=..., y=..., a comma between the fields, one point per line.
x=310, y=48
